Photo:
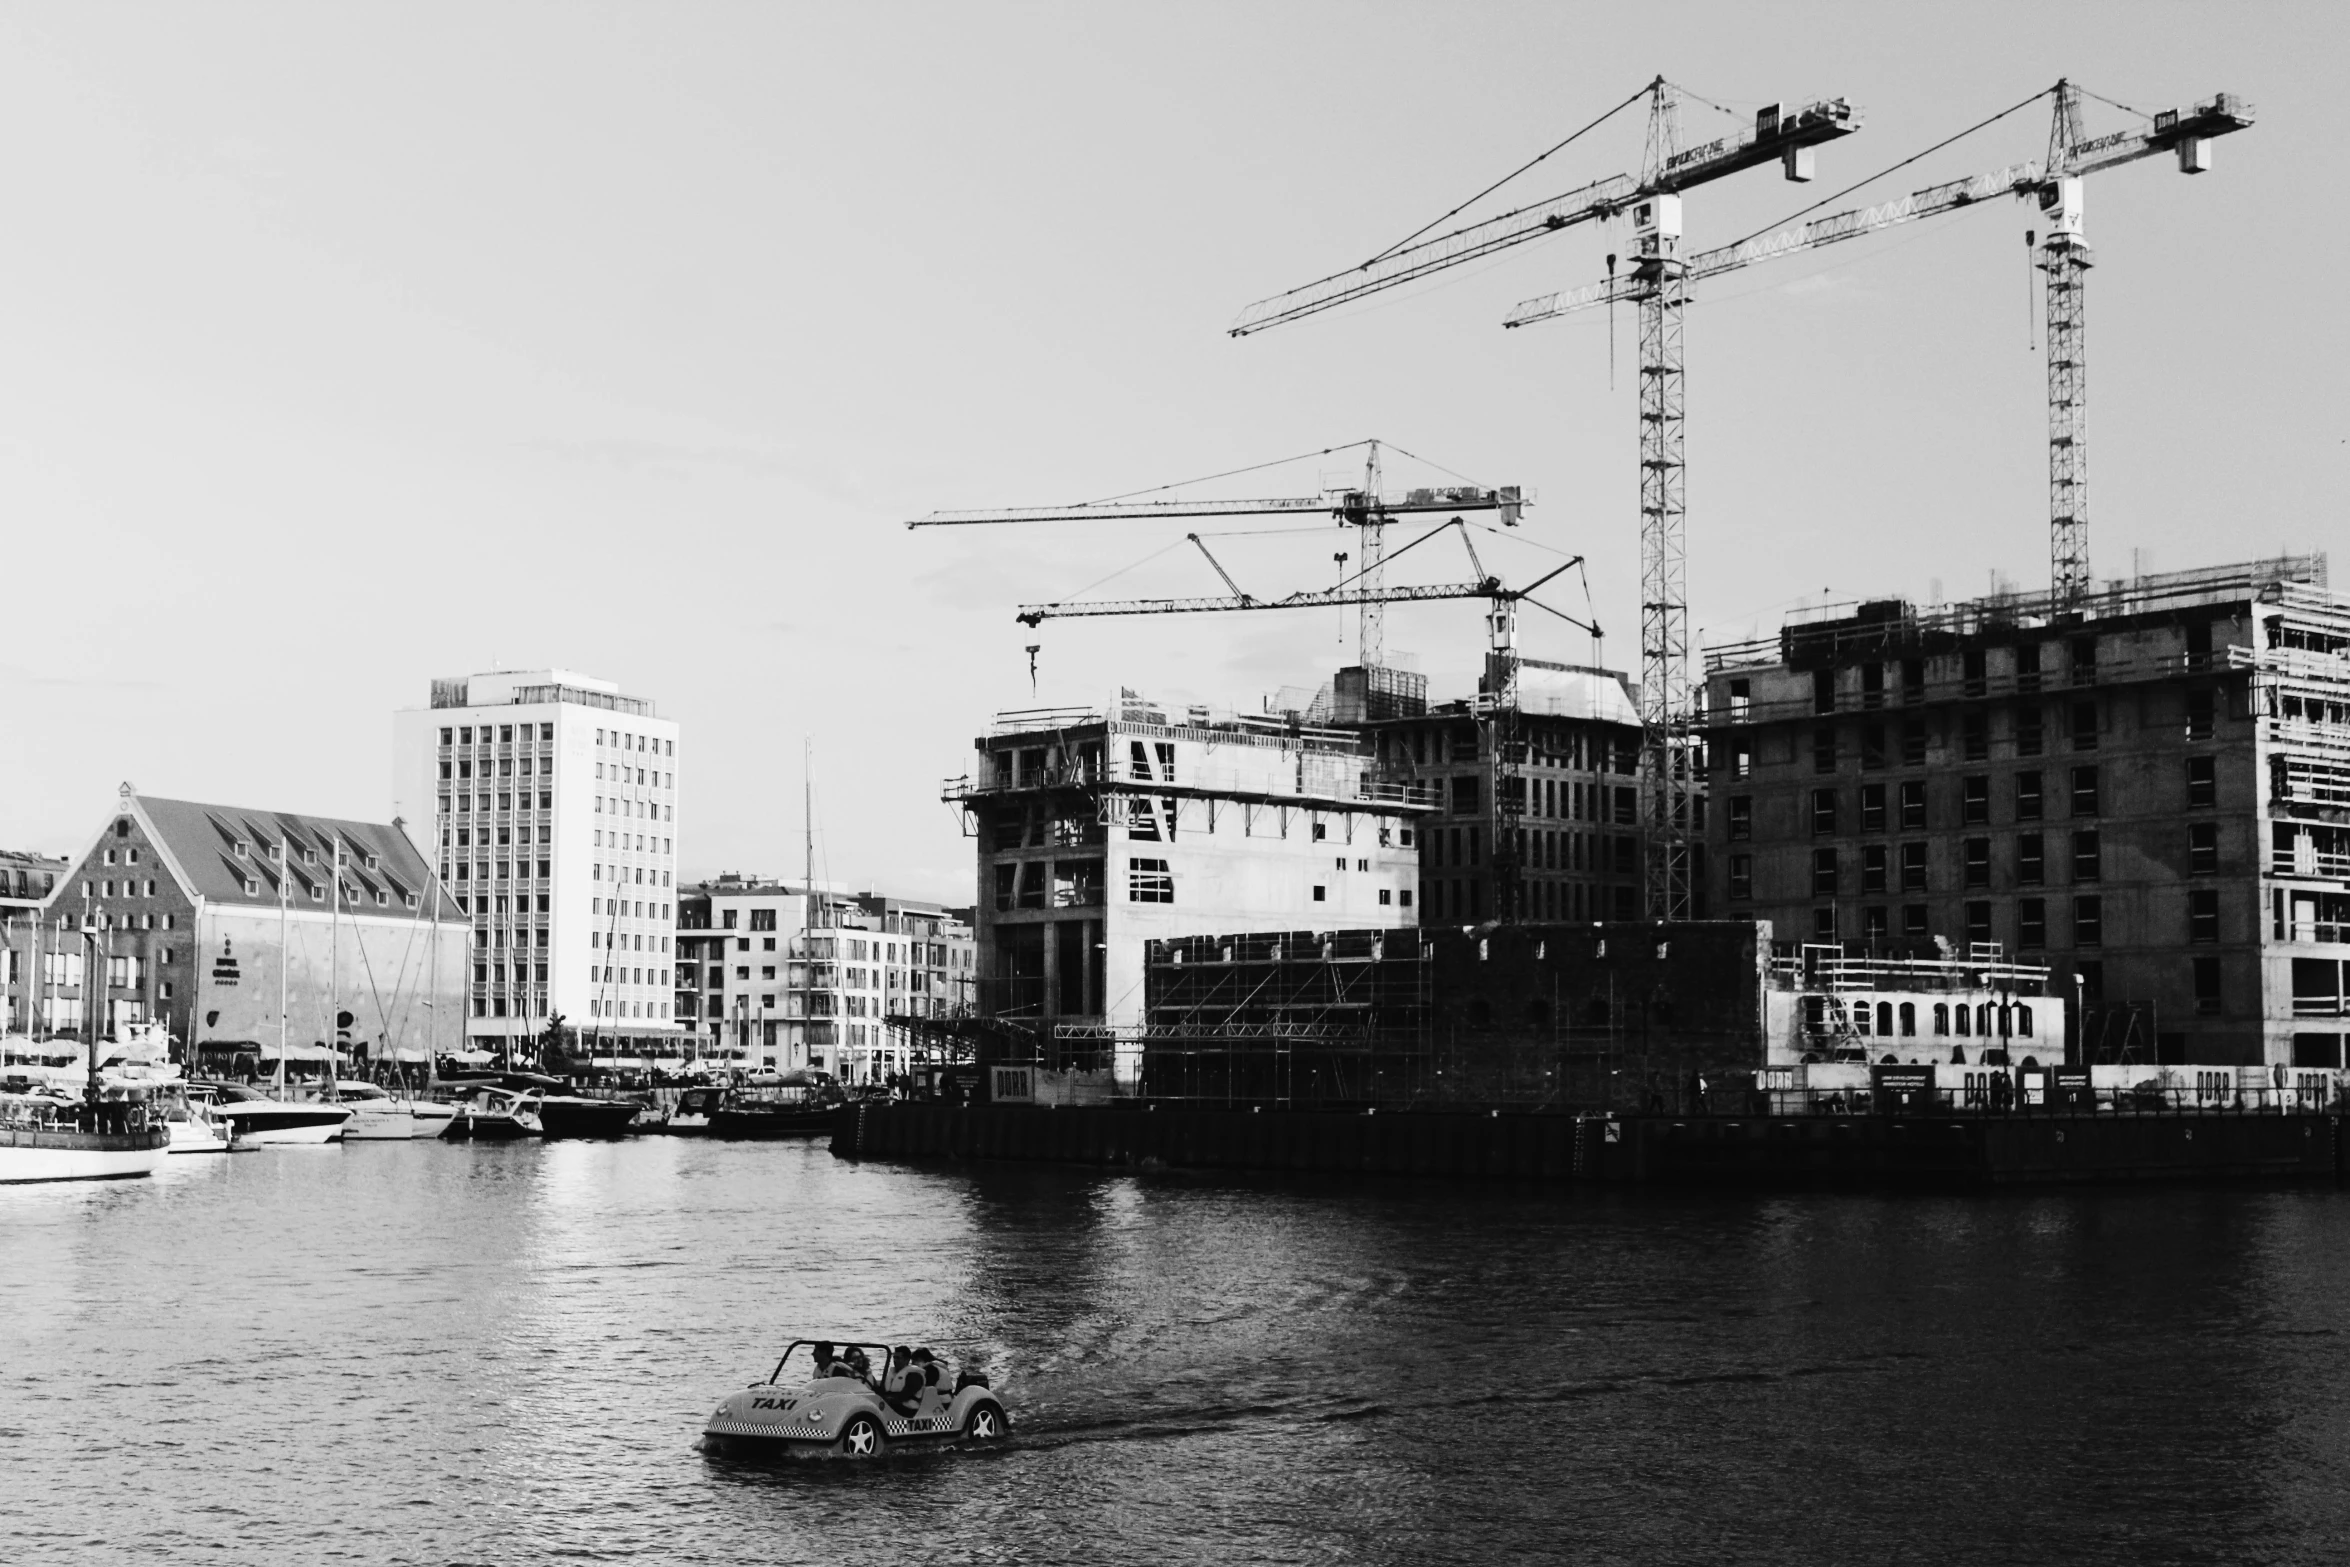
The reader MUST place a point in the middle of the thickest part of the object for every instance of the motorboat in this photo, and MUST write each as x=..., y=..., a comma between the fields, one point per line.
x=825, y=1407
x=486, y=1113
x=375, y=1115
x=796, y=1104
x=49, y=1136
x=256, y=1119
x=574, y=1115
x=187, y=1113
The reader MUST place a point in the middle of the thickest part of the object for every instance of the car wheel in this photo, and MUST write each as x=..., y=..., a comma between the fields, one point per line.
x=988, y=1424
x=861, y=1437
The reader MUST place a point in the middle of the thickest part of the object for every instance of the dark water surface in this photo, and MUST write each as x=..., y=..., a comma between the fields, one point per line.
x=442, y=1353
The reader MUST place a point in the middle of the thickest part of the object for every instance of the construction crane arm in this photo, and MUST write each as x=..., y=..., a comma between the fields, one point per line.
x=1036, y=614
x=1777, y=134
x=2185, y=132
x=1509, y=499
x=2015, y=180
x=1601, y=198
x=2182, y=130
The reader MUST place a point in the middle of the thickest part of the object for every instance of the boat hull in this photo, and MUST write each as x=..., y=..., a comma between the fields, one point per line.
x=393, y=1124
x=29, y=1155
x=265, y=1125
x=586, y=1117
x=465, y=1127
x=759, y=1125
x=194, y=1136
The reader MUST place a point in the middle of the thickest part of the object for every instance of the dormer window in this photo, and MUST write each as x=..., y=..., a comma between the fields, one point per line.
x=413, y=900
x=243, y=849
x=252, y=886
x=383, y=900
x=373, y=863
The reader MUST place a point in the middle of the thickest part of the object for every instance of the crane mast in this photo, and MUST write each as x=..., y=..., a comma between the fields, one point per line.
x=1658, y=280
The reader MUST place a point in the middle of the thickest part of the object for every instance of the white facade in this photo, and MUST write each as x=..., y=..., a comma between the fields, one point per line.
x=550, y=801
x=1100, y=831
x=774, y=977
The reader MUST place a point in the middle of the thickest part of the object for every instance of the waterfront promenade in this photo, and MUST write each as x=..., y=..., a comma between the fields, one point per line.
x=439, y=1353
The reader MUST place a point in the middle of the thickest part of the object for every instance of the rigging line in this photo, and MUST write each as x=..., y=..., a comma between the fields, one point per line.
x=1894, y=168
x=1506, y=178
x=1439, y=467
x=1515, y=536
x=1137, y=565
x=1708, y=102
x=2115, y=102
x=1226, y=474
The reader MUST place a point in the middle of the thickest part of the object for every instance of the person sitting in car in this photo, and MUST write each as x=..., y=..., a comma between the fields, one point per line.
x=901, y=1373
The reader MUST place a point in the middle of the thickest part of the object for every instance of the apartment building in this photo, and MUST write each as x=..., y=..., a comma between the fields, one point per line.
x=549, y=801
x=2145, y=792
x=1534, y=801
x=241, y=929
x=773, y=975
x=1098, y=830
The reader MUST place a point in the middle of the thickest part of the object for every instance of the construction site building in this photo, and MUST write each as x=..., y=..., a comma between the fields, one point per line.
x=2147, y=792
x=1101, y=829
x=1533, y=790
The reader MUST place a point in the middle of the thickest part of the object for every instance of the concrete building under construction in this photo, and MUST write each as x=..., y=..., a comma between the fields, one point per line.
x=2147, y=791
x=1100, y=829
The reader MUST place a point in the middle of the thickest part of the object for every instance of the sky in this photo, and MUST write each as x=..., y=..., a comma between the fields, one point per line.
x=351, y=346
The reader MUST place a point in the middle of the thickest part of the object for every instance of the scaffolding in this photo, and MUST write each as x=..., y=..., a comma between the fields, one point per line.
x=1295, y=1018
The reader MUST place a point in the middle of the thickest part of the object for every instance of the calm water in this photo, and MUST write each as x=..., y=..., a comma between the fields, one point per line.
x=440, y=1353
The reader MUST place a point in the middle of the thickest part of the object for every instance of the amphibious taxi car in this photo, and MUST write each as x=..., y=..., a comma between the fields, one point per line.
x=808, y=1408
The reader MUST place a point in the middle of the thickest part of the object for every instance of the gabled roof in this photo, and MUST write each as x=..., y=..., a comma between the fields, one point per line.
x=227, y=854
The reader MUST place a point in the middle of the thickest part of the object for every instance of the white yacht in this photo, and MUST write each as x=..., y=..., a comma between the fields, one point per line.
x=256, y=1119
x=376, y=1116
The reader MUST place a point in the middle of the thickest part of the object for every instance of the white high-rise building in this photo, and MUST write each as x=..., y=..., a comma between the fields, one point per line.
x=548, y=802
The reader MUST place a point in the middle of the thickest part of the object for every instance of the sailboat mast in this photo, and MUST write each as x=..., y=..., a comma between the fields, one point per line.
x=285, y=953
x=334, y=967
x=807, y=899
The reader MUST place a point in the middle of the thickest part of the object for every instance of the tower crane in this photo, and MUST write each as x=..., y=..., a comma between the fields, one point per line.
x=1658, y=282
x=1369, y=509
x=1497, y=703
x=2054, y=186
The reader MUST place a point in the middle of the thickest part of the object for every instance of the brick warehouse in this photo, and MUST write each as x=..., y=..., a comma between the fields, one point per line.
x=2148, y=794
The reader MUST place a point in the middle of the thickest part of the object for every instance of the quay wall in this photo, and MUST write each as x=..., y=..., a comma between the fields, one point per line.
x=1723, y=1150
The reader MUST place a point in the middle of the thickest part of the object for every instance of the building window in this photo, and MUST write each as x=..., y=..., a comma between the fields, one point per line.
x=2088, y=922
x=1741, y=877
x=1321, y=895
x=2203, y=914
x=2031, y=923
x=1975, y=800
x=1913, y=867
x=2199, y=715
x=1875, y=928
x=2087, y=860
x=2084, y=791
x=1872, y=746
x=1150, y=881
x=1913, y=921
x=1823, y=749
x=1978, y=862
x=1913, y=743
x=1913, y=805
x=2028, y=805
x=1975, y=736
x=2203, y=849
x=2031, y=859
x=2202, y=782
x=1978, y=922
x=1823, y=690
x=2084, y=726
x=1741, y=818
x=2029, y=738
x=1872, y=868
x=1872, y=807
x=1823, y=811
x=1823, y=872
x=2207, y=997
x=1823, y=923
